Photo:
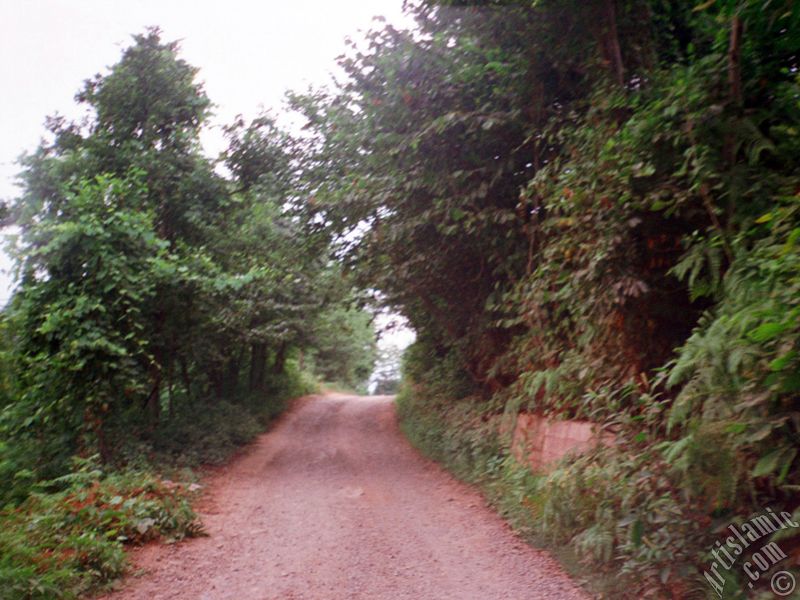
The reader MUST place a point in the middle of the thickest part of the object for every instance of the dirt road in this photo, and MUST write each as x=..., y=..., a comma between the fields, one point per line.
x=334, y=504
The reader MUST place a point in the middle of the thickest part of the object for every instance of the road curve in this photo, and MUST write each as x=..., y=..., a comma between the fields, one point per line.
x=333, y=503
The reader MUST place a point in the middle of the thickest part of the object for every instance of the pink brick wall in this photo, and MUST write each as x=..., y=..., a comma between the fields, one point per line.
x=540, y=441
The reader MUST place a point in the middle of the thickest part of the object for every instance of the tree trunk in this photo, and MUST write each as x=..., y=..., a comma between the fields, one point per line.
x=231, y=374
x=216, y=378
x=610, y=41
x=102, y=444
x=187, y=382
x=153, y=404
x=735, y=61
x=737, y=99
x=734, y=84
x=170, y=403
x=95, y=423
x=258, y=359
x=280, y=359
x=156, y=372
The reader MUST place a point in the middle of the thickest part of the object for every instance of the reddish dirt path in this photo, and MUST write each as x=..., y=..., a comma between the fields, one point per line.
x=333, y=503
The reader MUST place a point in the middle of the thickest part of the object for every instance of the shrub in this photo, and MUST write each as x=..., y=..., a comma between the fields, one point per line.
x=68, y=537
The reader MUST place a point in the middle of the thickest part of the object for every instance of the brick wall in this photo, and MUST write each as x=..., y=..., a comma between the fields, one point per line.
x=540, y=442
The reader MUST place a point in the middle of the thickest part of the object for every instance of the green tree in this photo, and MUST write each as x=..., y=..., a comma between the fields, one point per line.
x=81, y=312
x=386, y=375
x=148, y=281
x=344, y=346
x=148, y=112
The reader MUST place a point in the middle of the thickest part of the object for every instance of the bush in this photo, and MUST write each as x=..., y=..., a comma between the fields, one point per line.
x=208, y=431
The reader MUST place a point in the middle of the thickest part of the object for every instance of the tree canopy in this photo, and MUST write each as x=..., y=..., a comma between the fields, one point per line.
x=148, y=281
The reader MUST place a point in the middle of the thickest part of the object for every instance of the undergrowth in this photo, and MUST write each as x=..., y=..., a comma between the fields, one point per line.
x=67, y=538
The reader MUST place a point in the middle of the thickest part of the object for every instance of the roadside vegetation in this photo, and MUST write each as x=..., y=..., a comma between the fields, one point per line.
x=584, y=209
x=164, y=315
x=588, y=210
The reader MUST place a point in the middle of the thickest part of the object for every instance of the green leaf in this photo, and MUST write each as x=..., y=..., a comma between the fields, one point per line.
x=787, y=464
x=736, y=428
x=791, y=383
x=761, y=434
x=780, y=363
x=791, y=241
x=767, y=331
x=771, y=462
x=765, y=218
x=637, y=532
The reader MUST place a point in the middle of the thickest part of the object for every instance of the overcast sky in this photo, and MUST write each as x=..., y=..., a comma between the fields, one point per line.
x=249, y=54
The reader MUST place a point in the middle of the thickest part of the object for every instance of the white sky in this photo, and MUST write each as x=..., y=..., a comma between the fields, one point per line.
x=249, y=52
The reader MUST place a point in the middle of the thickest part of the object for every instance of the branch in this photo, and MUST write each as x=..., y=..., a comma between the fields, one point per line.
x=735, y=61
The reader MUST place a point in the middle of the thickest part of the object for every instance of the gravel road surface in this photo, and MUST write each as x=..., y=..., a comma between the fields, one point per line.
x=333, y=503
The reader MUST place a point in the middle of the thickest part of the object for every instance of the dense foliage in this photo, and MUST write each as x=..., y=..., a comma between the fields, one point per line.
x=167, y=306
x=584, y=209
x=587, y=210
